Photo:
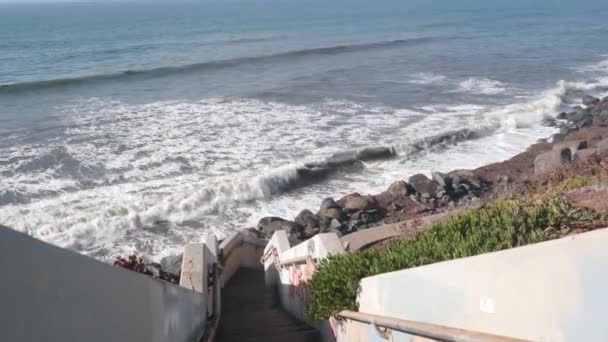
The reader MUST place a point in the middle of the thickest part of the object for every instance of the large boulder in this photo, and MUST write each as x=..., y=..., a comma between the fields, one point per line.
x=355, y=202
x=307, y=219
x=399, y=189
x=441, y=179
x=172, y=264
x=268, y=225
x=423, y=185
x=577, y=115
x=330, y=209
x=590, y=100
x=551, y=160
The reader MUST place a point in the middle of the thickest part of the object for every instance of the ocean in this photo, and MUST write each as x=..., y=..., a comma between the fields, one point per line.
x=137, y=127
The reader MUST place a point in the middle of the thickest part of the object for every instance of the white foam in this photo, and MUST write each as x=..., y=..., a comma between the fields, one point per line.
x=173, y=170
x=427, y=78
x=482, y=85
x=601, y=67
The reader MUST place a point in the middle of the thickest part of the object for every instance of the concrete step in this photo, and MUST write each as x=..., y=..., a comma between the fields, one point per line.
x=251, y=313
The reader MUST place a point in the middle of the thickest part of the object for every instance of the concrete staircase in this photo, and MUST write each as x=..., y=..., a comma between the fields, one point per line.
x=251, y=313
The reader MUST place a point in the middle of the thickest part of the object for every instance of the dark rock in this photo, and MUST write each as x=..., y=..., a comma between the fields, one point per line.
x=373, y=153
x=423, y=185
x=307, y=219
x=172, y=264
x=590, y=100
x=399, y=189
x=562, y=116
x=549, y=122
x=578, y=114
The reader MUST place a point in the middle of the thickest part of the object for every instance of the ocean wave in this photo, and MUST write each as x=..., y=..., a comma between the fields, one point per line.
x=427, y=78
x=601, y=66
x=211, y=65
x=482, y=85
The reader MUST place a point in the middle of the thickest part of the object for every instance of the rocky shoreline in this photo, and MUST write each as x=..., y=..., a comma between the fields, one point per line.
x=421, y=200
x=581, y=131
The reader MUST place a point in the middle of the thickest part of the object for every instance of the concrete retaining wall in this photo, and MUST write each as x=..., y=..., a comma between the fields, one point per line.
x=52, y=294
x=288, y=267
x=552, y=291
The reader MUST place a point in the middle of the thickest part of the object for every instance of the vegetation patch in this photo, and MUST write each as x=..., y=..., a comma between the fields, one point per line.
x=500, y=225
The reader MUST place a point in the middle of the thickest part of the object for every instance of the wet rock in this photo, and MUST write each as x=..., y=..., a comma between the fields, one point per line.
x=577, y=114
x=423, y=185
x=172, y=264
x=562, y=116
x=374, y=153
x=399, y=189
x=307, y=219
x=549, y=122
x=590, y=100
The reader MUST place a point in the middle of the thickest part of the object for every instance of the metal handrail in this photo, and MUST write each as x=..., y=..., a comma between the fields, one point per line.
x=428, y=330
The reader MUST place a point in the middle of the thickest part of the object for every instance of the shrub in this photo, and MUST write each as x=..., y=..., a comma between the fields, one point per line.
x=500, y=225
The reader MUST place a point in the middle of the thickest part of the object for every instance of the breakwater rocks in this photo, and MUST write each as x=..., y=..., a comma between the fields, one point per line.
x=421, y=195
x=594, y=113
x=353, y=212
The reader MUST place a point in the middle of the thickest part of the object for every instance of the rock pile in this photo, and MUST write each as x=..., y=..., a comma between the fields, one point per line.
x=595, y=110
x=355, y=211
x=137, y=264
x=564, y=152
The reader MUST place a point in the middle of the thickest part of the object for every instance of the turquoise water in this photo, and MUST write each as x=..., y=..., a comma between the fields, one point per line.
x=135, y=127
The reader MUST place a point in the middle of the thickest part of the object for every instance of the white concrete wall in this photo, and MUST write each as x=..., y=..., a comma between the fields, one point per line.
x=552, y=291
x=51, y=294
x=289, y=278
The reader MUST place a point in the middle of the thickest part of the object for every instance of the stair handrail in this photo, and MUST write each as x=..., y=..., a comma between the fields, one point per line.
x=422, y=329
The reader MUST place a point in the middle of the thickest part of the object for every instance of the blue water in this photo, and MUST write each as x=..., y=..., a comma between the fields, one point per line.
x=134, y=127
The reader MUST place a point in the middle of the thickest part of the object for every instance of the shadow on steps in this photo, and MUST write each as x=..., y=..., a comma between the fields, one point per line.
x=251, y=313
